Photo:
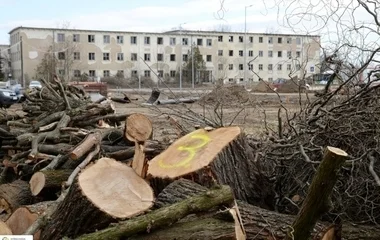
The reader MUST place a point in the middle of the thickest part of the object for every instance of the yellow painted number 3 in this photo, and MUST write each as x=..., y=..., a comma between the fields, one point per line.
x=191, y=150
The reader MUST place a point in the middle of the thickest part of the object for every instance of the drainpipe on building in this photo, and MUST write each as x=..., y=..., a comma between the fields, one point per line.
x=22, y=64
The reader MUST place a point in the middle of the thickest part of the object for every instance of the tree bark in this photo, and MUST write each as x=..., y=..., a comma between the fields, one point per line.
x=165, y=216
x=48, y=183
x=104, y=192
x=14, y=195
x=317, y=199
x=221, y=155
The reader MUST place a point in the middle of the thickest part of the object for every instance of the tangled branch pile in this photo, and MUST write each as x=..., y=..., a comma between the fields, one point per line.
x=348, y=122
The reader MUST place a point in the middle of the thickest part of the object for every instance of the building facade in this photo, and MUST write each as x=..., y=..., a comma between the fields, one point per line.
x=148, y=55
x=5, y=60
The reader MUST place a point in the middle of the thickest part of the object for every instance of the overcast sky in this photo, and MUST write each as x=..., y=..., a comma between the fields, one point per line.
x=143, y=15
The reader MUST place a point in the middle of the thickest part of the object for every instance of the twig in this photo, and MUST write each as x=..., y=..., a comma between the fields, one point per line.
x=371, y=168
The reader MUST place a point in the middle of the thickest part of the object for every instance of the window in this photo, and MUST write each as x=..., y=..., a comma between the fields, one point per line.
x=279, y=54
x=270, y=53
x=298, y=41
x=230, y=79
x=172, y=57
x=220, y=52
x=60, y=37
x=133, y=56
x=76, y=55
x=289, y=40
x=270, y=67
x=91, y=56
x=261, y=40
x=298, y=54
x=133, y=40
x=250, y=53
x=289, y=67
x=220, y=38
x=106, y=73
x=231, y=53
x=279, y=40
x=270, y=79
x=61, y=72
x=241, y=67
x=146, y=73
x=279, y=67
x=160, y=73
x=289, y=54
x=76, y=38
x=91, y=38
x=160, y=40
x=106, y=39
x=261, y=67
x=146, y=57
x=230, y=67
x=185, y=57
x=160, y=57
x=61, y=56
x=106, y=56
x=147, y=40
x=208, y=58
x=120, y=56
x=91, y=73
x=199, y=41
x=172, y=41
x=220, y=66
x=241, y=53
x=209, y=42
x=185, y=41
x=231, y=38
x=241, y=79
x=250, y=67
x=311, y=69
x=250, y=39
x=120, y=39
x=172, y=73
x=120, y=73
x=134, y=73
x=76, y=73
x=261, y=53
x=270, y=40
x=241, y=39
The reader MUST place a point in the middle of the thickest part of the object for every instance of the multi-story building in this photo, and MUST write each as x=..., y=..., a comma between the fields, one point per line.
x=5, y=60
x=147, y=54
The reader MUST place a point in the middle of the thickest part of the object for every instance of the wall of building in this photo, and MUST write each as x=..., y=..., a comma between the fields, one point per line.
x=5, y=60
x=36, y=42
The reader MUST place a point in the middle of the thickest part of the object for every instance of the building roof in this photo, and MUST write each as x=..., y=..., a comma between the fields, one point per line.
x=194, y=32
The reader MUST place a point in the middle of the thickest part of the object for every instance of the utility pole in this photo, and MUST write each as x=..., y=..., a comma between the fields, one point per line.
x=192, y=64
x=180, y=60
x=245, y=44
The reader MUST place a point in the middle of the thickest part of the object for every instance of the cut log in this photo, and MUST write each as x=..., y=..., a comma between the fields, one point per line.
x=5, y=229
x=220, y=155
x=177, y=101
x=138, y=128
x=317, y=199
x=14, y=195
x=165, y=216
x=139, y=163
x=48, y=182
x=104, y=192
x=25, y=216
x=155, y=94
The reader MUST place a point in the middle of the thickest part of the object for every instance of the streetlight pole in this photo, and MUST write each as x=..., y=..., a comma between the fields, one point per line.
x=180, y=63
x=245, y=44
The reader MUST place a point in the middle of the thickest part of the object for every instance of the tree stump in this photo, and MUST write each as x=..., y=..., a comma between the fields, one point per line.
x=221, y=155
x=14, y=195
x=104, y=192
x=48, y=183
x=25, y=216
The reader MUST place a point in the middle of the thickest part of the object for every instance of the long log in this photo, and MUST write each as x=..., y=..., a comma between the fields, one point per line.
x=221, y=155
x=317, y=199
x=165, y=216
x=25, y=216
x=48, y=183
x=177, y=101
x=14, y=195
x=104, y=192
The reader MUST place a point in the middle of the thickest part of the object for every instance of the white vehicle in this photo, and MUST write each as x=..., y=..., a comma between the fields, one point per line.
x=35, y=84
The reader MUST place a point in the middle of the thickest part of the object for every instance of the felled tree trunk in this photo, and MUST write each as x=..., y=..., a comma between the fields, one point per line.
x=222, y=156
x=14, y=195
x=25, y=216
x=4, y=229
x=48, y=183
x=103, y=193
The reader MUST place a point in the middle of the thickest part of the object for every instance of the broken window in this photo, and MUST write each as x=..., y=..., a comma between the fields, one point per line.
x=146, y=57
x=120, y=39
x=231, y=38
x=241, y=39
x=185, y=41
x=91, y=38
x=270, y=40
x=289, y=40
x=209, y=42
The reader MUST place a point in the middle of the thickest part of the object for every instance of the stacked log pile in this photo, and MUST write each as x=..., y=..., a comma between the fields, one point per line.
x=75, y=169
